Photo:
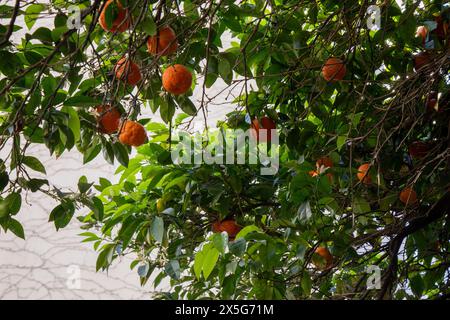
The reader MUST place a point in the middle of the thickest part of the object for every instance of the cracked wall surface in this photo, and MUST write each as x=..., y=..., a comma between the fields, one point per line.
x=47, y=264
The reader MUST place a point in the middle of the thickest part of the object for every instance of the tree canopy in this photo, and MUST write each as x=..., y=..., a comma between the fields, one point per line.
x=362, y=116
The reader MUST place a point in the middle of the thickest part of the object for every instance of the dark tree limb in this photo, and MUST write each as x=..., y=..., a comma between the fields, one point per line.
x=440, y=209
x=11, y=24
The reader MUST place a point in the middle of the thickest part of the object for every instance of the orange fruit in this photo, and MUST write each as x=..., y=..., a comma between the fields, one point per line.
x=163, y=43
x=408, y=196
x=229, y=226
x=322, y=258
x=324, y=161
x=334, y=69
x=363, y=173
x=132, y=134
x=422, y=32
x=255, y=129
x=442, y=28
x=128, y=71
x=108, y=119
x=177, y=79
x=432, y=101
x=314, y=173
x=121, y=21
x=421, y=59
x=266, y=124
x=418, y=149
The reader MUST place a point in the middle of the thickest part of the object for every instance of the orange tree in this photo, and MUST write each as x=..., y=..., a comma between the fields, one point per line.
x=363, y=120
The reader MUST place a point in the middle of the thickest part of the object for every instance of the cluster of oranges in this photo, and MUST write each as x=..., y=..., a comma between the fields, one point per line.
x=334, y=69
x=423, y=58
x=176, y=79
x=407, y=196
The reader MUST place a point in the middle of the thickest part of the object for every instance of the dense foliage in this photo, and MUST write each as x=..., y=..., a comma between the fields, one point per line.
x=390, y=111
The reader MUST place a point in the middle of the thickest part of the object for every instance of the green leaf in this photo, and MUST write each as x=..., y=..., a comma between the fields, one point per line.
x=417, y=285
x=121, y=154
x=198, y=264
x=211, y=257
x=167, y=109
x=111, y=13
x=98, y=208
x=238, y=247
x=108, y=152
x=62, y=214
x=9, y=63
x=186, y=105
x=340, y=142
x=33, y=163
x=15, y=227
x=306, y=283
x=225, y=70
x=172, y=268
x=247, y=230
x=49, y=84
x=43, y=34
x=304, y=212
x=157, y=229
x=32, y=13
x=360, y=205
x=91, y=153
x=149, y=26
x=4, y=180
x=105, y=257
x=82, y=101
x=220, y=241
x=14, y=201
x=35, y=184
x=73, y=122
x=212, y=72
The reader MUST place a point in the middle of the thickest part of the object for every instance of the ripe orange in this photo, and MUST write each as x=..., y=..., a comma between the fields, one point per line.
x=324, y=161
x=418, y=149
x=314, y=173
x=442, y=28
x=229, y=226
x=432, y=101
x=363, y=173
x=265, y=125
x=121, y=21
x=108, y=119
x=421, y=59
x=408, y=196
x=422, y=32
x=255, y=129
x=322, y=258
x=177, y=79
x=334, y=69
x=163, y=43
x=132, y=134
x=128, y=71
